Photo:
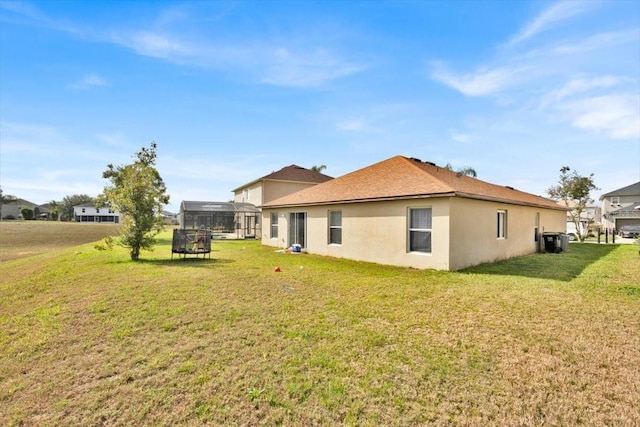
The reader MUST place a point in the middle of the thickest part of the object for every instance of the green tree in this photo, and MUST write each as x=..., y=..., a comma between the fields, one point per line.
x=5, y=198
x=468, y=171
x=54, y=210
x=66, y=206
x=138, y=192
x=574, y=190
x=27, y=213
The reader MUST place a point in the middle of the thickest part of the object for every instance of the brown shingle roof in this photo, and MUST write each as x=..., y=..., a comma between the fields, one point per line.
x=404, y=178
x=293, y=173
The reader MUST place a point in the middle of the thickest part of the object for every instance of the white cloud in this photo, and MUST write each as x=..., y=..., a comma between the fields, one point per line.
x=459, y=136
x=89, y=81
x=599, y=41
x=485, y=81
x=309, y=64
x=38, y=140
x=153, y=44
x=285, y=68
x=618, y=116
x=581, y=85
x=549, y=17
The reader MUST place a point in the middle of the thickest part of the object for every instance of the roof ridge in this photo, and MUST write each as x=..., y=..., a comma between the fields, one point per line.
x=412, y=161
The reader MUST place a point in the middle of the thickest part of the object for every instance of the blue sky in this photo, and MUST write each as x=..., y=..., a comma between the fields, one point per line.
x=233, y=90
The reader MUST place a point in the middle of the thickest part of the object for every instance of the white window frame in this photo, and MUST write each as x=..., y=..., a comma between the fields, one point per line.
x=502, y=229
x=334, y=227
x=411, y=230
x=615, y=200
x=274, y=225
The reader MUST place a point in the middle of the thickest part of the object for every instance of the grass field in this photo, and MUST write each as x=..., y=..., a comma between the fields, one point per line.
x=90, y=338
x=25, y=238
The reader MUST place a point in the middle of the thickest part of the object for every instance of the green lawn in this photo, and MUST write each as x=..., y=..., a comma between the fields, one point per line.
x=90, y=338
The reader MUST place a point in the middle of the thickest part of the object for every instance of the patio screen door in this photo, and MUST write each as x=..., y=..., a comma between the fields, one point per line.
x=298, y=229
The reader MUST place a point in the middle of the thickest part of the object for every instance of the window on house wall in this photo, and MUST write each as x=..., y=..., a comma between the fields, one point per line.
x=97, y=210
x=420, y=223
x=82, y=210
x=502, y=224
x=335, y=227
x=274, y=225
x=245, y=195
x=615, y=201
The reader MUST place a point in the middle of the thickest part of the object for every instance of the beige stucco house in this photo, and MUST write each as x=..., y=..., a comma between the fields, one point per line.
x=406, y=212
x=285, y=181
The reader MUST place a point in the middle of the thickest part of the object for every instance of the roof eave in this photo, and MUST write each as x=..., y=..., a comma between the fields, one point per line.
x=363, y=200
x=511, y=201
x=415, y=196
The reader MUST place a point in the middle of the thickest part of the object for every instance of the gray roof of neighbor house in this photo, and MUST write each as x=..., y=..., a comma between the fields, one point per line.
x=631, y=208
x=21, y=202
x=196, y=206
x=406, y=178
x=292, y=173
x=629, y=190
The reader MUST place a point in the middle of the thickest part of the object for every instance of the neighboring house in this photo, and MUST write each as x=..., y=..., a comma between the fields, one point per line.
x=287, y=180
x=170, y=218
x=621, y=207
x=591, y=214
x=13, y=208
x=406, y=212
x=88, y=212
x=224, y=219
x=43, y=211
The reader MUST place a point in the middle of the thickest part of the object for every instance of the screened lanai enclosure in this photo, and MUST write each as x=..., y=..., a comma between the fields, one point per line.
x=225, y=220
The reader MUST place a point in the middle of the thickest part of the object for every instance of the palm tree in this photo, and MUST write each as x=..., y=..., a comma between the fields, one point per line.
x=318, y=169
x=468, y=171
x=54, y=209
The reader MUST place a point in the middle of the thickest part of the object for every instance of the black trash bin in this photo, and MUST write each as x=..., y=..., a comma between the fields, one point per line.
x=552, y=242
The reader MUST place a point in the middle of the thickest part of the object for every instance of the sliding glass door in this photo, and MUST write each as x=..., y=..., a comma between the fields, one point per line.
x=298, y=229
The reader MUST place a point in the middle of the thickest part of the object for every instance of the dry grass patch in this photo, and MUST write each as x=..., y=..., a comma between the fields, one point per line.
x=19, y=239
x=95, y=339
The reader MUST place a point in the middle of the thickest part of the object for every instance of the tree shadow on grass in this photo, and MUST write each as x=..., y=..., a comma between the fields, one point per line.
x=564, y=266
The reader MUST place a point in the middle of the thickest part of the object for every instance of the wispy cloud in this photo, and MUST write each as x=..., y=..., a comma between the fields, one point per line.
x=280, y=65
x=286, y=68
x=605, y=40
x=564, y=80
x=89, y=81
x=459, y=136
x=33, y=16
x=484, y=81
x=299, y=63
x=617, y=116
x=549, y=17
x=581, y=85
x=20, y=138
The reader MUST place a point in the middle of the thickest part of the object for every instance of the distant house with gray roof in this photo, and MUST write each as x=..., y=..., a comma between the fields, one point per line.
x=13, y=208
x=621, y=207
